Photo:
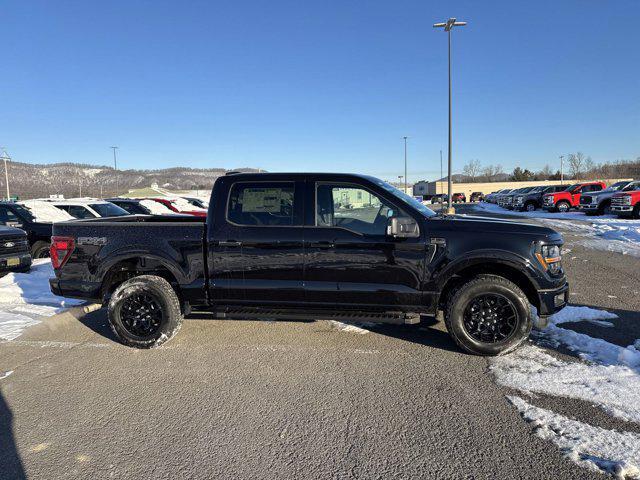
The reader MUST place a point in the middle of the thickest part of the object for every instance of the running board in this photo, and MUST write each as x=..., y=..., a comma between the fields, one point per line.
x=245, y=313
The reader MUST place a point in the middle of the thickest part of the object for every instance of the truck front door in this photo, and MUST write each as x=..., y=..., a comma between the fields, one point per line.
x=255, y=245
x=350, y=259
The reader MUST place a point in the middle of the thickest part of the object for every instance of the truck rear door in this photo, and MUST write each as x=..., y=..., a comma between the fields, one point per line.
x=255, y=244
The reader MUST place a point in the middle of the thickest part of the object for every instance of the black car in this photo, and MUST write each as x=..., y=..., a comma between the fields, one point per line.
x=532, y=199
x=476, y=197
x=14, y=250
x=38, y=233
x=286, y=244
x=131, y=205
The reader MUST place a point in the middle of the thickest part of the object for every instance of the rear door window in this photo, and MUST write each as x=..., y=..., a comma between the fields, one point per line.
x=262, y=204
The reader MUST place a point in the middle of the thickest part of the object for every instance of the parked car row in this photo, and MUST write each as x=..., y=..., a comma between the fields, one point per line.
x=593, y=198
x=32, y=221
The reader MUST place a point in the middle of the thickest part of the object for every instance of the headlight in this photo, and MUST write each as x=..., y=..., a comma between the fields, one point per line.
x=550, y=258
x=519, y=199
x=626, y=199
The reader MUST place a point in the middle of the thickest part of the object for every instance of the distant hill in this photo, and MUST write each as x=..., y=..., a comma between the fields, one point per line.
x=32, y=181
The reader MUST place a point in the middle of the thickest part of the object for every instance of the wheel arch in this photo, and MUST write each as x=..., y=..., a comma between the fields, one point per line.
x=125, y=268
x=508, y=270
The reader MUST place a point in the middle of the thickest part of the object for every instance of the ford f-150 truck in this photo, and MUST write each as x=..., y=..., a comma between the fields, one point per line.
x=570, y=197
x=304, y=246
x=627, y=202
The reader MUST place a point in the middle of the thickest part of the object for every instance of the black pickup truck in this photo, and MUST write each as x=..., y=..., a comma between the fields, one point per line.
x=314, y=245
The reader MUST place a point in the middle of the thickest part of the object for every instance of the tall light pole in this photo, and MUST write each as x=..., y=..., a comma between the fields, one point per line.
x=448, y=26
x=115, y=167
x=405, y=164
x=561, y=168
x=6, y=157
x=440, y=172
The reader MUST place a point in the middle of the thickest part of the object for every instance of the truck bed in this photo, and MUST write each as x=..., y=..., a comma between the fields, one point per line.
x=171, y=244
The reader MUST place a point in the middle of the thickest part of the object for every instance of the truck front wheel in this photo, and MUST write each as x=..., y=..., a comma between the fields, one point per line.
x=144, y=312
x=563, y=206
x=488, y=315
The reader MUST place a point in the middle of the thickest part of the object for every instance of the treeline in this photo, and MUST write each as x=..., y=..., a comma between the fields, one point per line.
x=577, y=166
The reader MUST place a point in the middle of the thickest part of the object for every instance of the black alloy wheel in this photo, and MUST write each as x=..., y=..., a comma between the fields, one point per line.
x=141, y=315
x=490, y=318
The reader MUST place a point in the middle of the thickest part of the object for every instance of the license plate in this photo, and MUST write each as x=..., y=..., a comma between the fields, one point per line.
x=12, y=262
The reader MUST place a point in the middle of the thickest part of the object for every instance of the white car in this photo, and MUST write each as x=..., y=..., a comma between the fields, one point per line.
x=88, y=208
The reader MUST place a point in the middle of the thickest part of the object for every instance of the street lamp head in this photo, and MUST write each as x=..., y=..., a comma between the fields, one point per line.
x=449, y=24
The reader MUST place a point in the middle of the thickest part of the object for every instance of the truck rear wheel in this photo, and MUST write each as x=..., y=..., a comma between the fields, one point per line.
x=488, y=315
x=144, y=312
x=40, y=249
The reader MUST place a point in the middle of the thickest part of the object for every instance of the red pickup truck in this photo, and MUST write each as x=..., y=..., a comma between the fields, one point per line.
x=570, y=197
x=627, y=202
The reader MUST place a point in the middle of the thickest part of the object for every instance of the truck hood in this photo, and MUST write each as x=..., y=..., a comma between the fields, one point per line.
x=477, y=225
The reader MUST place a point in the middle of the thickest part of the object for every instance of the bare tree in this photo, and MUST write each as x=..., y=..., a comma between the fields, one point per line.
x=578, y=163
x=472, y=169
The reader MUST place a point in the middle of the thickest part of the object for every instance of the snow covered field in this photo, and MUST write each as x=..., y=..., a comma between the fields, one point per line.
x=25, y=298
x=607, y=232
x=608, y=376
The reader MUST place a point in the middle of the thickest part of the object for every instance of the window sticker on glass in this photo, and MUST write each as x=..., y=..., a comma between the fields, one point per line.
x=255, y=200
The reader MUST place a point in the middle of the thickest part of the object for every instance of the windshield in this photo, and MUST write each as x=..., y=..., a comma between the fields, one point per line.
x=633, y=186
x=24, y=212
x=404, y=197
x=571, y=187
x=108, y=210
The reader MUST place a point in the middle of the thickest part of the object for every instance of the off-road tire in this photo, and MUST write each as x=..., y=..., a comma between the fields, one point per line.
x=483, y=284
x=560, y=205
x=163, y=293
x=40, y=249
x=636, y=211
x=530, y=206
x=604, y=208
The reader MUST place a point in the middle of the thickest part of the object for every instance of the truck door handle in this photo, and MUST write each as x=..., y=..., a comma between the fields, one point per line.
x=229, y=243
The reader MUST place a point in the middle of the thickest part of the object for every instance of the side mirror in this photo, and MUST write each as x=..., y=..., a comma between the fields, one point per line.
x=403, y=227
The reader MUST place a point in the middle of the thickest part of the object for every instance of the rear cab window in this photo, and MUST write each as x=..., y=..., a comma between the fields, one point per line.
x=262, y=204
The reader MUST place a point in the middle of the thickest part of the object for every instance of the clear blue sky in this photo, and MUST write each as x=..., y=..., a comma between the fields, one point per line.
x=321, y=86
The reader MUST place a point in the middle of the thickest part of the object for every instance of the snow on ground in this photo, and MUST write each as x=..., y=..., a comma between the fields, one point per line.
x=606, y=232
x=617, y=453
x=350, y=327
x=25, y=298
x=608, y=376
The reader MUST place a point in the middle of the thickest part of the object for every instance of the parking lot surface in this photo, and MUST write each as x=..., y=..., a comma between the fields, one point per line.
x=261, y=399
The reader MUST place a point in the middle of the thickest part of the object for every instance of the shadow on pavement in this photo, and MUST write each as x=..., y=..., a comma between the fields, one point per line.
x=421, y=334
x=10, y=463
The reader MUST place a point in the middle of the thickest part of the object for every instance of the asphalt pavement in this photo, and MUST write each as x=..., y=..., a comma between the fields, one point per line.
x=261, y=399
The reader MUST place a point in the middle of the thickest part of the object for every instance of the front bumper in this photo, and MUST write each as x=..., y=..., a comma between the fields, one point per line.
x=553, y=300
x=622, y=208
x=15, y=261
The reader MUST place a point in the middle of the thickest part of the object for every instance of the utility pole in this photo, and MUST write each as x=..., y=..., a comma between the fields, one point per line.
x=561, y=168
x=405, y=164
x=448, y=27
x=115, y=167
x=6, y=157
x=441, y=175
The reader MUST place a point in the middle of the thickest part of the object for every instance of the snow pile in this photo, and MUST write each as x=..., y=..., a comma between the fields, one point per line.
x=156, y=208
x=609, y=378
x=32, y=287
x=45, y=211
x=598, y=449
x=25, y=298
